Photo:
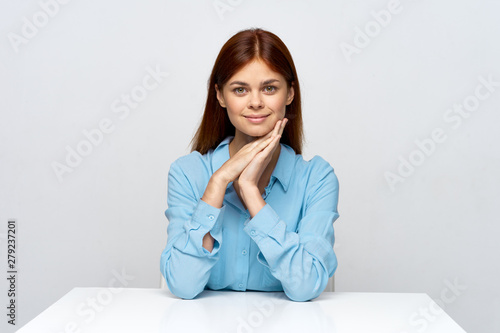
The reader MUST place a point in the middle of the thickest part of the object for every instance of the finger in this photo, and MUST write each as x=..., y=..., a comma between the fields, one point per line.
x=283, y=124
x=274, y=131
x=256, y=143
x=261, y=145
x=272, y=145
x=277, y=127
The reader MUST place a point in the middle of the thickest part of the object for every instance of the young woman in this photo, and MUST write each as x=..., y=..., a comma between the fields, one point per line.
x=245, y=210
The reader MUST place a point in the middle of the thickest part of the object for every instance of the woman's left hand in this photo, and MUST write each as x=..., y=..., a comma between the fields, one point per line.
x=250, y=176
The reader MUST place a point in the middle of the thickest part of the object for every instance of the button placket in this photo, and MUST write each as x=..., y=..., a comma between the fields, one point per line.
x=245, y=258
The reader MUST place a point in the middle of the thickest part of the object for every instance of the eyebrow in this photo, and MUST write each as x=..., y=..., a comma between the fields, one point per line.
x=241, y=83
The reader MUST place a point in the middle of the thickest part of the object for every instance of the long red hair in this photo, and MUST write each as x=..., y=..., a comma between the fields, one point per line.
x=238, y=51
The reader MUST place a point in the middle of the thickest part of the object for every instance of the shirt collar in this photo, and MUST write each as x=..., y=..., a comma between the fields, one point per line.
x=221, y=154
x=282, y=172
x=284, y=168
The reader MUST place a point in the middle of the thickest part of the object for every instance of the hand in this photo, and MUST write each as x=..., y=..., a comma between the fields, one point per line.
x=230, y=171
x=233, y=167
x=250, y=176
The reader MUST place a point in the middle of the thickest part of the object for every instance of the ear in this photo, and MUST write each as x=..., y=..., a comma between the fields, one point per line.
x=291, y=94
x=220, y=96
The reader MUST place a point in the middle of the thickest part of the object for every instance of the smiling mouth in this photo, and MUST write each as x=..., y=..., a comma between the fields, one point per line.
x=256, y=119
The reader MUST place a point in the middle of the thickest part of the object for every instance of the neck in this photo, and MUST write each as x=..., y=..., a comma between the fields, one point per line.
x=239, y=141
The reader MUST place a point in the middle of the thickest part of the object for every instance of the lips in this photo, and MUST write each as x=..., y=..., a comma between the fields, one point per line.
x=256, y=118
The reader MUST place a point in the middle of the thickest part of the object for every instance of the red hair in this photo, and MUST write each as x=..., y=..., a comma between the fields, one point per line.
x=237, y=52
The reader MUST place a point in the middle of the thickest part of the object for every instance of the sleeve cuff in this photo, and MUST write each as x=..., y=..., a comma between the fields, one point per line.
x=262, y=223
x=208, y=216
x=210, y=220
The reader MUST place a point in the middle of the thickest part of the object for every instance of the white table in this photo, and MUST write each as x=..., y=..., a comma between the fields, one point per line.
x=157, y=310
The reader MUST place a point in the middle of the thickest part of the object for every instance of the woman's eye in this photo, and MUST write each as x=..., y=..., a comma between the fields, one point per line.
x=240, y=90
x=270, y=89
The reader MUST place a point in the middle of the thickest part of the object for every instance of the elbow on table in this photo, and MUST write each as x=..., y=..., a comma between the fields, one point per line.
x=183, y=291
x=305, y=290
x=182, y=286
x=302, y=295
x=185, y=294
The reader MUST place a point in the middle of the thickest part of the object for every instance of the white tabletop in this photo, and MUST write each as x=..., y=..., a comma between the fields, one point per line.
x=157, y=310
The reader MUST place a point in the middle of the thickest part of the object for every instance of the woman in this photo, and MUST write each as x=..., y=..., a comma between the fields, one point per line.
x=246, y=211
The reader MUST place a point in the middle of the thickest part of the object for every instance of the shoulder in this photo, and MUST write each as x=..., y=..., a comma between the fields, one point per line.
x=316, y=167
x=318, y=181
x=199, y=168
x=191, y=160
x=314, y=174
x=191, y=165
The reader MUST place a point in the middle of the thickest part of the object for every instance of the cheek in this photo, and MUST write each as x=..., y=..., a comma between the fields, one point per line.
x=235, y=105
x=278, y=105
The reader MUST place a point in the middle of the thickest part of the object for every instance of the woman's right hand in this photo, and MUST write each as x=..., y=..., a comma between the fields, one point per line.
x=232, y=168
x=228, y=172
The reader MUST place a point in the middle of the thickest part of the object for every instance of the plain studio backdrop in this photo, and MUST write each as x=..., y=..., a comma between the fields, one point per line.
x=98, y=98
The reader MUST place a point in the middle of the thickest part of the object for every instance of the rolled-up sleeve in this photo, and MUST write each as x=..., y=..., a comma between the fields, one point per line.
x=185, y=263
x=303, y=260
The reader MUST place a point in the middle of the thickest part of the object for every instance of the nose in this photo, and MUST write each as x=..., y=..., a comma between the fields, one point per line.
x=255, y=101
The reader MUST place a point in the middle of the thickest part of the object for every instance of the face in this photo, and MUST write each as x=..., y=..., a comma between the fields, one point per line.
x=255, y=99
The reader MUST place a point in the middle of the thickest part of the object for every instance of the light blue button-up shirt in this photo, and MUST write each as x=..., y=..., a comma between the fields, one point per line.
x=287, y=246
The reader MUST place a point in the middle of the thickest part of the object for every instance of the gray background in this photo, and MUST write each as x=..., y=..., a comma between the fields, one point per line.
x=433, y=229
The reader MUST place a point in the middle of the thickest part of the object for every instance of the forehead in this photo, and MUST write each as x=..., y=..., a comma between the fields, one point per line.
x=256, y=71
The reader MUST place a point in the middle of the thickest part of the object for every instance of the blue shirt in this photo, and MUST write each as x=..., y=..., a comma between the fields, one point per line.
x=287, y=246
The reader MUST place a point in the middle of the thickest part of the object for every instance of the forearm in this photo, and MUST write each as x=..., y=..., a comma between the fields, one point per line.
x=184, y=254
x=178, y=268
x=302, y=262
x=214, y=196
x=253, y=199
x=302, y=268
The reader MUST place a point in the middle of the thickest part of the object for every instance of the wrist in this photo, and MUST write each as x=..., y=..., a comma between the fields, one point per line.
x=253, y=199
x=215, y=191
x=219, y=179
x=248, y=189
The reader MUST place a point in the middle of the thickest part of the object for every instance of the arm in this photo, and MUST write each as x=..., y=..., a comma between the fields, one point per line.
x=186, y=262
x=303, y=260
x=194, y=230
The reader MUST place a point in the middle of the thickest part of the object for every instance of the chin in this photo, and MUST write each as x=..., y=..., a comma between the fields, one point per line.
x=258, y=132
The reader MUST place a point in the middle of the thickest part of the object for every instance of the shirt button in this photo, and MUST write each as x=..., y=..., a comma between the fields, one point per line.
x=244, y=252
x=240, y=285
x=211, y=217
x=253, y=233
